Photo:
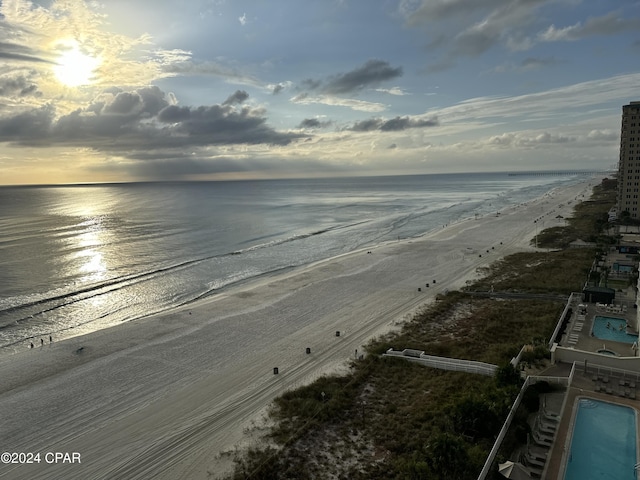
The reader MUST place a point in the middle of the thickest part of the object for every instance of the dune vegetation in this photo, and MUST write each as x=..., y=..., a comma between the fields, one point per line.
x=392, y=419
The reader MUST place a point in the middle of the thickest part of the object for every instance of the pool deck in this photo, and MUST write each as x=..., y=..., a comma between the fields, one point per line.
x=605, y=387
x=578, y=333
x=583, y=385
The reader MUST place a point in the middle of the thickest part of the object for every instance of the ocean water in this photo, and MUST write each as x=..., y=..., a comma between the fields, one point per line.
x=75, y=259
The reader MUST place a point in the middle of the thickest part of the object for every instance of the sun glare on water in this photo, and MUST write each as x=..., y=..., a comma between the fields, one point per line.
x=74, y=68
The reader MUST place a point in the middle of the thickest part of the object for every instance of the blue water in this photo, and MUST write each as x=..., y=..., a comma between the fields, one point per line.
x=76, y=259
x=603, y=444
x=616, y=331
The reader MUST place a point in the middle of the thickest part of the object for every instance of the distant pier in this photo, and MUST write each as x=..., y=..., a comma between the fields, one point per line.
x=558, y=173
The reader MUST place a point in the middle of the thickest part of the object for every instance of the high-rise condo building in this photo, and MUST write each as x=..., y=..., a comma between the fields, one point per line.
x=629, y=165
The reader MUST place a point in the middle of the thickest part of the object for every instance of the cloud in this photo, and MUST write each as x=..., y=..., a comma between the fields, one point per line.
x=238, y=97
x=523, y=140
x=279, y=87
x=23, y=53
x=542, y=105
x=439, y=10
x=143, y=119
x=610, y=24
x=393, y=125
x=370, y=74
x=359, y=105
x=17, y=85
x=243, y=19
x=470, y=28
x=32, y=125
x=187, y=165
x=393, y=91
x=186, y=67
x=33, y=36
x=604, y=135
x=330, y=90
x=529, y=64
x=313, y=123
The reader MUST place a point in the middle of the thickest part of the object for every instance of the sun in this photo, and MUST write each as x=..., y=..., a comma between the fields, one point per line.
x=73, y=67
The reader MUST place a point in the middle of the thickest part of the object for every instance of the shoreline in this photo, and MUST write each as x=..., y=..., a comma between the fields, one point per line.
x=162, y=396
x=19, y=336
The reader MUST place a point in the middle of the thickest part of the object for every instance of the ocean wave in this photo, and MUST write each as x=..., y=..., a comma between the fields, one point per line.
x=293, y=238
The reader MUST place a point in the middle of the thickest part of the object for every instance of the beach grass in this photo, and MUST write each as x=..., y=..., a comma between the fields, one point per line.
x=394, y=419
x=554, y=272
x=588, y=223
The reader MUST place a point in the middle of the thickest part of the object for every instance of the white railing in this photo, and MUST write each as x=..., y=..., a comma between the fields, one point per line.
x=444, y=363
x=564, y=381
x=572, y=300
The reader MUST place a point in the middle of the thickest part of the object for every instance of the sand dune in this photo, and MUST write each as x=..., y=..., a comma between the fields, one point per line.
x=163, y=396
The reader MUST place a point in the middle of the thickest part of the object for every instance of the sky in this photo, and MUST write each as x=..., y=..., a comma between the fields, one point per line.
x=146, y=90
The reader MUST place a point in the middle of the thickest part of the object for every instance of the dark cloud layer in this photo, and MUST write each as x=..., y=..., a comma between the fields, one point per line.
x=238, y=97
x=17, y=86
x=141, y=120
x=311, y=123
x=393, y=124
x=13, y=51
x=159, y=165
x=371, y=74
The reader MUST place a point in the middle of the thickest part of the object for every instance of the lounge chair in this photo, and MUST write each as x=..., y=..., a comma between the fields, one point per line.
x=550, y=416
x=533, y=470
x=540, y=456
x=541, y=440
x=532, y=462
x=536, y=451
x=549, y=427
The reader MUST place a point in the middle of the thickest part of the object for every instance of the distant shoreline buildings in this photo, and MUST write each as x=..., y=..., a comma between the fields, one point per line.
x=629, y=164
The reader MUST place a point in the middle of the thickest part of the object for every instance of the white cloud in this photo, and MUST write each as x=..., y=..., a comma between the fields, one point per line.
x=553, y=34
x=359, y=105
x=393, y=91
x=557, y=102
x=610, y=24
x=606, y=135
x=524, y=140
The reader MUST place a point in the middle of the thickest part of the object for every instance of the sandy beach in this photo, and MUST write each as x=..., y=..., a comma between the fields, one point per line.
x=163, y=396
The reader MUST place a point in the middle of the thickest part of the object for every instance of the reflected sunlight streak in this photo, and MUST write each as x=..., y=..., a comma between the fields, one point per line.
x=94, y=265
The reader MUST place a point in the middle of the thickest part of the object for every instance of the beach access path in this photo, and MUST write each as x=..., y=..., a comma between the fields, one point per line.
x=163, y=397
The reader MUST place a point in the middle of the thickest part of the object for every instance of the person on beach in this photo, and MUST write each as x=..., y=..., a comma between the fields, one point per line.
x=31, y=344
x=50, y=339
x=41, y=342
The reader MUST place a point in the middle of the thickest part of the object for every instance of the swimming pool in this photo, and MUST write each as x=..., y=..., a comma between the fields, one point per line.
x=616, y=331
x=603, y=443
